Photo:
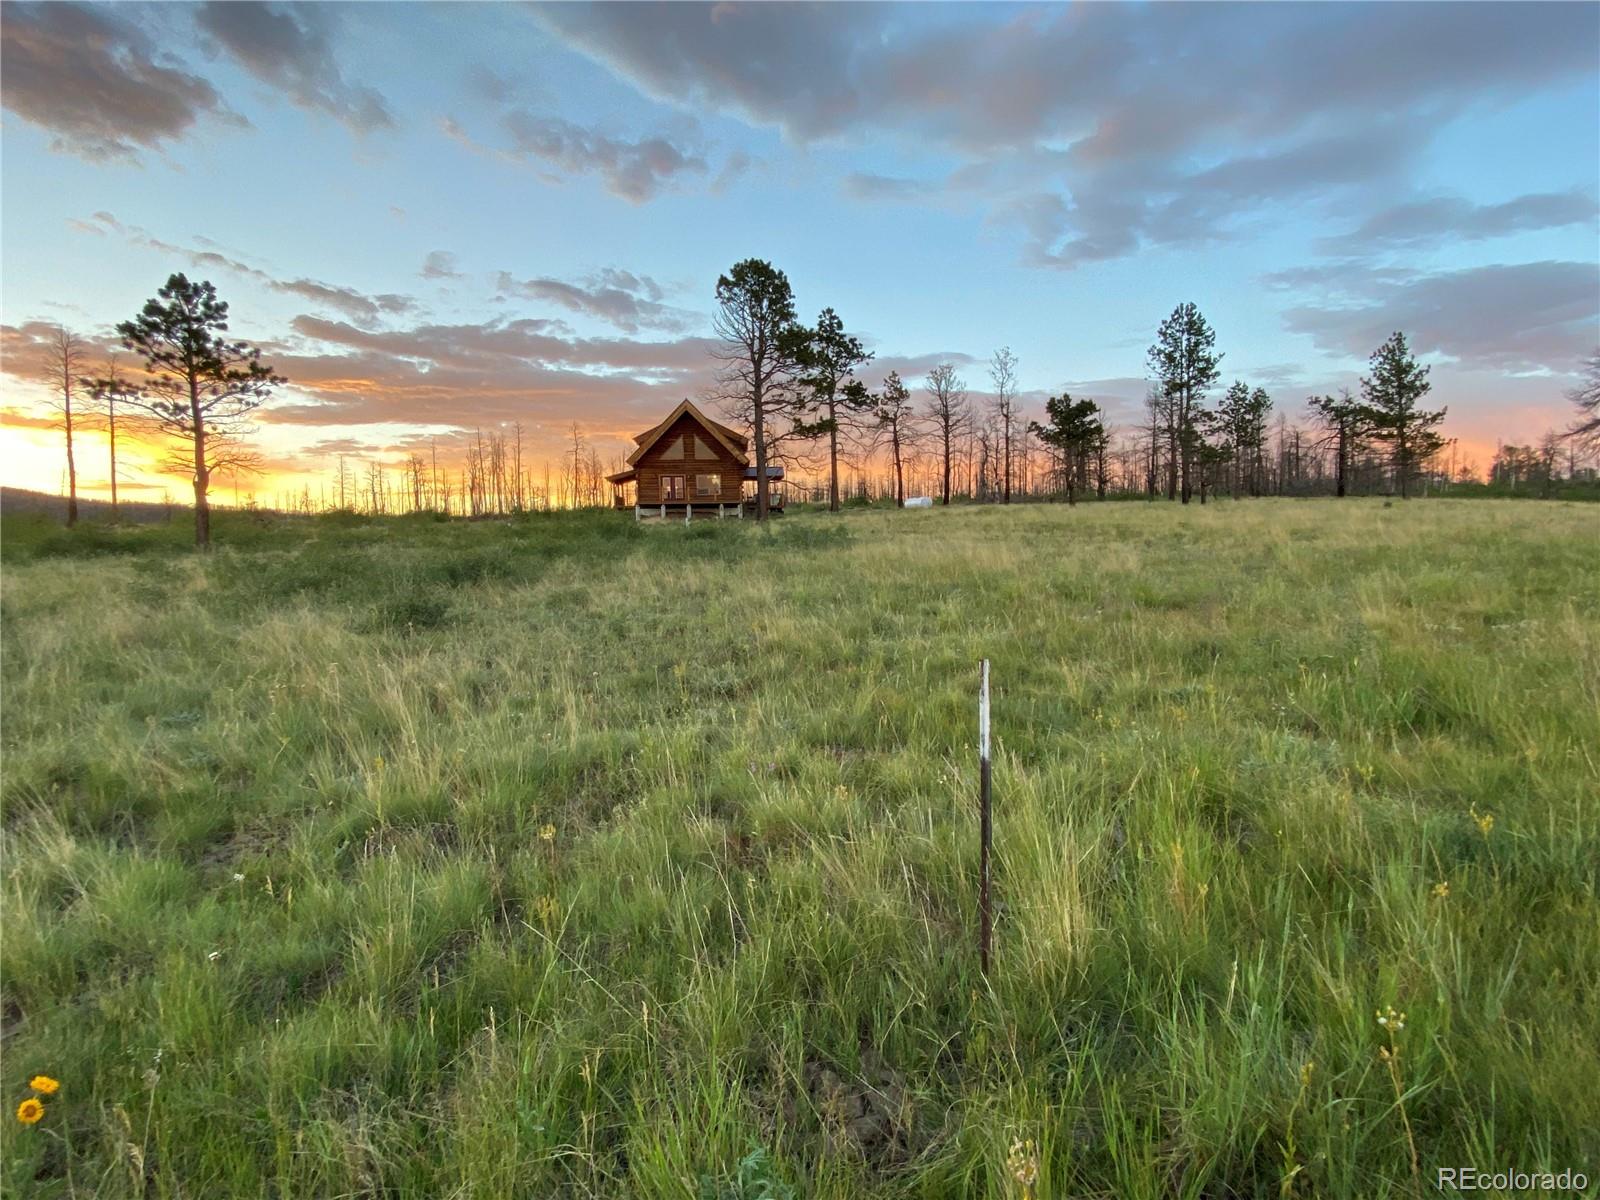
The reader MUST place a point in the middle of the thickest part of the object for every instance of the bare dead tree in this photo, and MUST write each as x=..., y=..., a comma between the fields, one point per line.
x=1003, y=373
x=518, y=497
x=375, y=487
x=474, y=493
x=574, y=467
x=1585, y=430
x=987, y=482
x=897, y=428
x=1151, y=433
x=416, y=480
x=107, y=392
x=950, y=416
x=66, y=357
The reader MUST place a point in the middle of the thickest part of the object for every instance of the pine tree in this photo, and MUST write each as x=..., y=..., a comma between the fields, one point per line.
x=828, y=360
x=762, y=345
x=1185, y=362
x=199, y=388
x=1389, y=409
x=1241, y=423
x=1074, y=431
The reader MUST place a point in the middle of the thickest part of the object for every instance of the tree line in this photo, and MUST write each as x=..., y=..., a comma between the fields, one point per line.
x=796, y=389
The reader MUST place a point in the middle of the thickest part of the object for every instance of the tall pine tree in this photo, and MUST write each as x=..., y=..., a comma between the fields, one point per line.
x=1241, y=423
x=828, y=360
x=199, y=388
x=760, y=358
x=1184, y=361
x=1390, y=395
x=1074, y=431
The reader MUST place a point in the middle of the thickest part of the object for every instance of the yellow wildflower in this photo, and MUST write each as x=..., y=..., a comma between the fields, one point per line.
x=547, y=832
x=1441, y=889
x=44, y=1085
x=29, y=1111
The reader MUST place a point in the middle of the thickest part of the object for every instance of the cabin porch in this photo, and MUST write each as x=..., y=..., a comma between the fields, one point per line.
x=668, y=501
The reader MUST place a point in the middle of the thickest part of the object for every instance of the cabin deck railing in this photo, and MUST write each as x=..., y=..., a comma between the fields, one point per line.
x=689, y=510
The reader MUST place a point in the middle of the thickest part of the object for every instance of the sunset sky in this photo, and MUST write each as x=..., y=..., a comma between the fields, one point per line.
x=441, y=218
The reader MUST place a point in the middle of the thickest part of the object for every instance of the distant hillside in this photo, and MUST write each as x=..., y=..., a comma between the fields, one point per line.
x=21, y=500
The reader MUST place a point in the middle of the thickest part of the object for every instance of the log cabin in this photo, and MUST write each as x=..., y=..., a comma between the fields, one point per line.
x=689, y=465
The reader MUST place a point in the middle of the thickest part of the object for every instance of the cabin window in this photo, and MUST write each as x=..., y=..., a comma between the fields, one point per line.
x=671, y=487
x=707, y=485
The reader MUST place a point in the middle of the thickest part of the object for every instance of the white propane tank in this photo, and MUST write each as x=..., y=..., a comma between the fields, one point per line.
x=919, y=502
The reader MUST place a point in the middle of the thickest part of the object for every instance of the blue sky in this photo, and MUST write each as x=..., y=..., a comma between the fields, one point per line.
x=949, y=178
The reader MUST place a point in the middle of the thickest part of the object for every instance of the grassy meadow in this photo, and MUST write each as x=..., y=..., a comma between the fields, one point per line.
x=564, y=857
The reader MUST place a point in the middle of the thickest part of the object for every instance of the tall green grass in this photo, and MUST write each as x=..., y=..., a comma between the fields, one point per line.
x=565, y=857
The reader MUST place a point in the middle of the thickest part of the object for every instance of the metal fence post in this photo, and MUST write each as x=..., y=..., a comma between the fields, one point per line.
x=986, y=833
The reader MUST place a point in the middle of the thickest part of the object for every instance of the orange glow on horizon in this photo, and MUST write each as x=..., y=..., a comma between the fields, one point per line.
x=35, y=459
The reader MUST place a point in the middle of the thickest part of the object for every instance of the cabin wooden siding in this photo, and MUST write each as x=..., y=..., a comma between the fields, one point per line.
x=688, y=449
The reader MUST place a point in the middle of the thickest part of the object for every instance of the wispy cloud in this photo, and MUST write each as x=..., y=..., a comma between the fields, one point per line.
x=634, y=170
x=439, y=264
x=1443, y=219
x=289, y=47
x=100, y=85
x=620, y=298
x=1538, y=316
x=360, y=306
x=1102, y=128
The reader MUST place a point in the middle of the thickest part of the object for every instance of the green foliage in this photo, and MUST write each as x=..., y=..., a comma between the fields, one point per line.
x=1184, y=358
x=1073, y=430
x=1389, y=412
x=762, y=353
x=411, y=613
x=754, y=1178
x=187, y=361
x=1185, y=364
x=1240, y=421
x=650, y=870
x=828, y=360
x=198, y=387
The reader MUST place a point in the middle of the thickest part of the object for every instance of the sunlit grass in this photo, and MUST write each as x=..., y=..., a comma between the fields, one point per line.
x=565, y=857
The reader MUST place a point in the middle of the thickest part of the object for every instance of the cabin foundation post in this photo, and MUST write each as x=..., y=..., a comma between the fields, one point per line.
x=663, y=512
x=688, y=513
x=638, y=513
x=719, y=512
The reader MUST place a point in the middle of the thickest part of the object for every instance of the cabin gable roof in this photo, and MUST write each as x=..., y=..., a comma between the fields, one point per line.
x=730, y=440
